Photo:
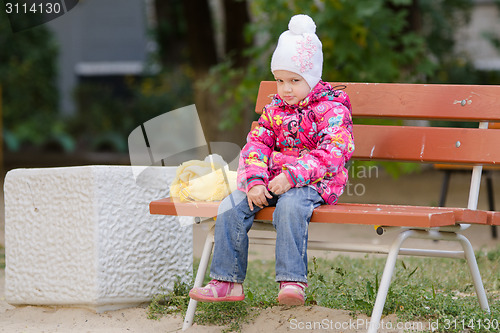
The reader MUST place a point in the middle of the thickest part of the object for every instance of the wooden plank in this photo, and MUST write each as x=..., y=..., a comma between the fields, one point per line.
x=372, y=215
x=168, y=206
x=462, y=167
x=413, y=101
x=462, y=215
x=434, y=101
x=427, y=144
x=494, y=218
x=329, y=213
x=267, y=90
x=387, y=215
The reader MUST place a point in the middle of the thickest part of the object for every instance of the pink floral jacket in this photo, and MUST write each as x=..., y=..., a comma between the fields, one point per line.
x=310, y=143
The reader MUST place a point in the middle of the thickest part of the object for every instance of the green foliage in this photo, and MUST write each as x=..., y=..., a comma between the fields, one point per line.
x=421, y=290
x=230, y=314
x=106, y=117
x=440, y=19
x=28, y=80
x=363, y=41
x=170, y=302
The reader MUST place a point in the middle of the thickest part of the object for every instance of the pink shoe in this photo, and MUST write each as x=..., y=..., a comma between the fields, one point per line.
x=218, y=291
x=292, y=293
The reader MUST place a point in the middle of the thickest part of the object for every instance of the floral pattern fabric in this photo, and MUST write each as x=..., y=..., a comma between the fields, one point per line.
x=305, y=51
x=309, y=142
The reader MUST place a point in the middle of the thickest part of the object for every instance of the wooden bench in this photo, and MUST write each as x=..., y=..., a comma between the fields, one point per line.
x=449, y=169
x=476, y=147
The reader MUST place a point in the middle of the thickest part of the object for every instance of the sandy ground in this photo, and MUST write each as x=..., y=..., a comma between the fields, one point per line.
x=419, y=189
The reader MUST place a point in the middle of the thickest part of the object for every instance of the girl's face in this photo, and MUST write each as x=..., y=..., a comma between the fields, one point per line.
x=291, y=86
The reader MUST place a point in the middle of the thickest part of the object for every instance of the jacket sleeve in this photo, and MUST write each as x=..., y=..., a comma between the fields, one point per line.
x=253, y=163
x=335, y=147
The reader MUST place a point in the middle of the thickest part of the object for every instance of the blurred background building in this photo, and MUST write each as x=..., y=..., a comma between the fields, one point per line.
x=101, y=41
x=479, y=38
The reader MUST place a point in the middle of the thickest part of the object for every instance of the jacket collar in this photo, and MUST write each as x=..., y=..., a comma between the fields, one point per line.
x=321, y=91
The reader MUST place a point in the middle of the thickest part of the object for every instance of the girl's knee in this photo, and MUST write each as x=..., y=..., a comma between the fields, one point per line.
x=295, y=206
x=296, y=197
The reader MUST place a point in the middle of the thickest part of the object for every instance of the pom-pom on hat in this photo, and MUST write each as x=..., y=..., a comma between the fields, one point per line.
x=299, y=50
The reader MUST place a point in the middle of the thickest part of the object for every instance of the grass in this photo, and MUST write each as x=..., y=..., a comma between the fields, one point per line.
x=422, y=289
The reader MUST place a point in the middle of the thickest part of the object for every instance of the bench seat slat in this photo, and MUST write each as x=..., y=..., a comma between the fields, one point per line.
x=386, y=215
x=462, y=215
x=494, y=218
x=167, y=206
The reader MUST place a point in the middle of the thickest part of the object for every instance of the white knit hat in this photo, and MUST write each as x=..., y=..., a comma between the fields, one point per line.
x=299, y=50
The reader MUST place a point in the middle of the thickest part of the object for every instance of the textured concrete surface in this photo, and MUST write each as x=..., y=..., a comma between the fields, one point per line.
x=83, y=236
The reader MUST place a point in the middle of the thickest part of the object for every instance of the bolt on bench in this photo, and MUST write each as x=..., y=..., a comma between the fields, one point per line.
x=472, y=146
x=449, y=169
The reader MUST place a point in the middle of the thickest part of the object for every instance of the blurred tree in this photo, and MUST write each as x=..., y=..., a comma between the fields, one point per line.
x=170, y=31
x=188, y=27
x=202, y=55
x=200, y=36
x=363, y=40
x=439, y=22
x=237, y=17
x=28, y=77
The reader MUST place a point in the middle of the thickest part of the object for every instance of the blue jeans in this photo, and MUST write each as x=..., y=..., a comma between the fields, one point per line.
x=290, y=219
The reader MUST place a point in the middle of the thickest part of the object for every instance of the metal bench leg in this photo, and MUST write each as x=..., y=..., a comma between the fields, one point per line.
x=386, y=280
x=444, y=188
x=474, y=270
x=200, y=275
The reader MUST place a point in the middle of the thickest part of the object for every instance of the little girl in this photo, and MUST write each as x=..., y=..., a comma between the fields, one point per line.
x=294, y=159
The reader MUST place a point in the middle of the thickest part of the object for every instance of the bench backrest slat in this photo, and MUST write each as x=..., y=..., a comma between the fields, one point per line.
x=427, y=144
x=418, y=101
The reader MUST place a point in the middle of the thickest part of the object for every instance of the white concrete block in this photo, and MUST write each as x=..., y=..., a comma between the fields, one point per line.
x=83, y=236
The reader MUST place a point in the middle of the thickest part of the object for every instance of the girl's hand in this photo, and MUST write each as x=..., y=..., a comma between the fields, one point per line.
x=258, y=196
x=279, y=184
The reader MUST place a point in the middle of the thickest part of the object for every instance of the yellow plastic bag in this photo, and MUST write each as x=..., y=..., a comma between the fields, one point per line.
x=207, y=180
